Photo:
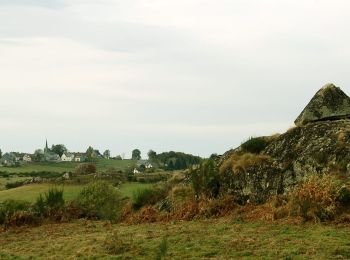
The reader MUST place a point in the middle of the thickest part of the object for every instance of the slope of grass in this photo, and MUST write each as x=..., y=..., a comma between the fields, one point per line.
x=32, y=191
x=211, y=239
x=101, y=164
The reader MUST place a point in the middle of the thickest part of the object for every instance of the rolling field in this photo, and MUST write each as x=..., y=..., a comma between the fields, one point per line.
x=61, y=167
x=11, y=179
x=205, y=239
x=31, y=192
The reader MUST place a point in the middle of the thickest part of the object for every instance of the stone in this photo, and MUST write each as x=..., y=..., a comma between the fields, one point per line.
x=66, y=176
x=329, y=103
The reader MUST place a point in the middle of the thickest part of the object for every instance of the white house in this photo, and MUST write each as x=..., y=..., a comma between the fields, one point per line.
x=67, y=157
x=149, y=166
x=27, y=158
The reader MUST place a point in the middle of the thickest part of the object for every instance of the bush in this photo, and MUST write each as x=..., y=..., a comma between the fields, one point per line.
x=51, y=204
x=100, y=200
x=254, y=145
x=316, y=198
x=85, y=168
x=12, y=185
x=148, y=196
x=205, y=179
x=9, y=207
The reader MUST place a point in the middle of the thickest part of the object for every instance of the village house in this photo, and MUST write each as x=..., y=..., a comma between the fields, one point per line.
x=27, y=158
x=79, y=157
x=67, y=157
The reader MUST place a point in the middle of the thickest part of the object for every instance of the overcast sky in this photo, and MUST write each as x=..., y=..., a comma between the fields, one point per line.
x=197, y=76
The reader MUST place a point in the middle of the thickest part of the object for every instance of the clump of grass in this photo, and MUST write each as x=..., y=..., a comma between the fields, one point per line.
x=116, y=245
x=163, y=248
x=239, y=163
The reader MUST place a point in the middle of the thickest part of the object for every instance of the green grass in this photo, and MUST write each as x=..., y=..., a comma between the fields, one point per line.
x=101, y=164
x=32, y=191
x=4, y=181
x=127, y=189
x=210, y=239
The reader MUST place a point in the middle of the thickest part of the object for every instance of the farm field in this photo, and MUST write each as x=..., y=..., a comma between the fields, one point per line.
x=205, y=239
x=31, y=192
x=4, y=181
x=61, y=167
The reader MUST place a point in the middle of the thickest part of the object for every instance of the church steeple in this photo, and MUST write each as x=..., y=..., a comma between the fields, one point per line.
x=46, y=149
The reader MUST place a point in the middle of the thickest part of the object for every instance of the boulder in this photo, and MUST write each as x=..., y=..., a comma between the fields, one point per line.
x=318, y=145
x=329, y=103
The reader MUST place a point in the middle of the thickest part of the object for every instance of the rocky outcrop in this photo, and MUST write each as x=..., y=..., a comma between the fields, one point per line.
x=319, y=147
x=329, y=103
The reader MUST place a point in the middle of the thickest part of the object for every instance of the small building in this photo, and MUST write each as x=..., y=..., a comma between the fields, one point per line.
x=67, y=157
x=27, y=158
x=79, y=157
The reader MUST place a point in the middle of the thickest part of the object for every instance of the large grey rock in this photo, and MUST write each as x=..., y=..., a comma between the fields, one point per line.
x=329, y=103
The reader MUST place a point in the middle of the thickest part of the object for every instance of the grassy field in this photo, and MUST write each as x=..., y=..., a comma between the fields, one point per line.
x=210, y=239
x=31, y=192
x=101, y=164
x=3, y=181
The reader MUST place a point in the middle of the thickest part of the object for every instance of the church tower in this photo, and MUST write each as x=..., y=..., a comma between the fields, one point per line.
x=46, y=149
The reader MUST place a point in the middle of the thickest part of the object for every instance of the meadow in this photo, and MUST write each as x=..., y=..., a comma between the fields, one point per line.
x=62, y=167
x=223, y=238
x=31, y=192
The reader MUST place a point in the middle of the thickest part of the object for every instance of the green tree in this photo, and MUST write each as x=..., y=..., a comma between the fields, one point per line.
x=136, y=154
x=107, y=154
x=152, y=155
x=0, y=153
x=90, y=154
x=38, y=155
x=59, y=149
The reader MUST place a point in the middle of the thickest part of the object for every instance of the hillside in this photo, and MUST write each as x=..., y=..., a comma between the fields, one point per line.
x=318, y=144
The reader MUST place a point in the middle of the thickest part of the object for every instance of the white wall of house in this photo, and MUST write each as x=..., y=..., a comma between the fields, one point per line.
x=27, y=158
x=66, y=158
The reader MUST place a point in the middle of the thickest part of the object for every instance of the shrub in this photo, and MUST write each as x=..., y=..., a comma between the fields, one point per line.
x=100, y=200
x=54, y=198
x=85, y=168
x=148, y=196
x=344, y=195
x=9, y=207
x=205, y=179
x=254, y=145
x=23, y=217
x=316, y=198
x=12, y=185
x=51, y=204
